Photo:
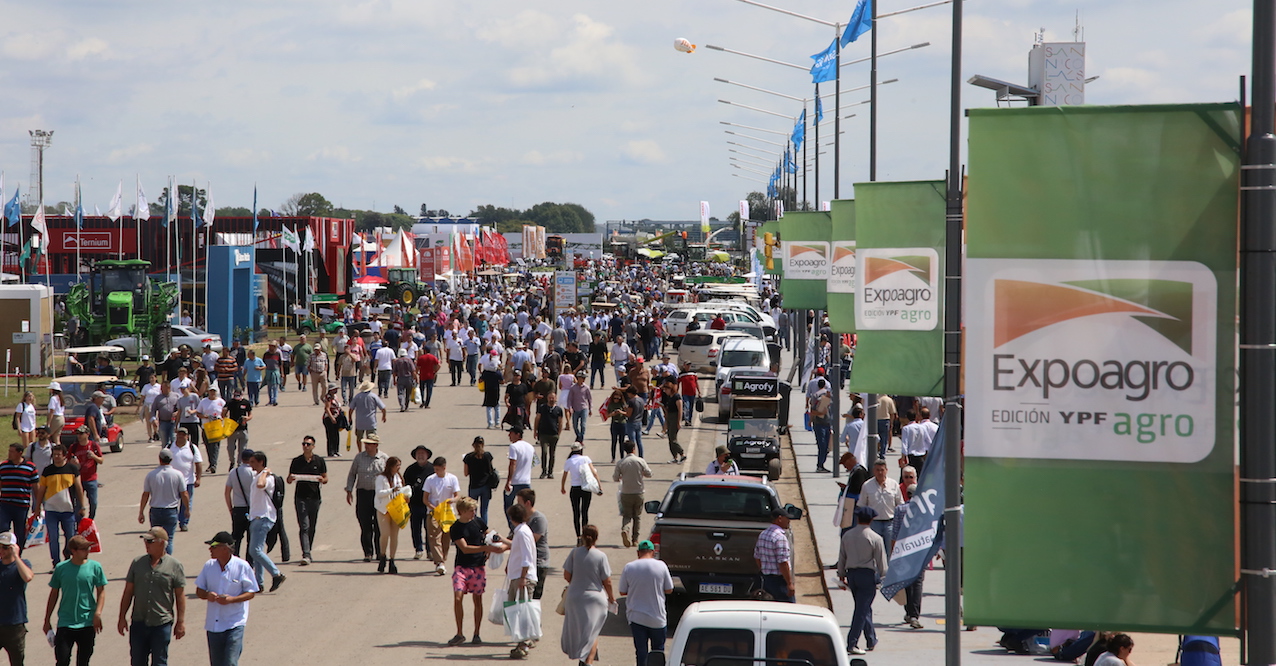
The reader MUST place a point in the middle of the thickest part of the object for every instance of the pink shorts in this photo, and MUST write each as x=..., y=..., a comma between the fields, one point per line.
x=469, y=580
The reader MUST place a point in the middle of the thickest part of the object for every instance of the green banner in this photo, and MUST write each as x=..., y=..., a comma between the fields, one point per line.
x=806, y=259
x=899, y=238
x=777, y=253
x=1100, y=296
x=841, y=281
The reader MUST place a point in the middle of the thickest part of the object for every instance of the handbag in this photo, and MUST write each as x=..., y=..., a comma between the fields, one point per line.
x=398, y=510
x=523, y=617
x=218, y=429
x=699, y=404
x=88, y=529
x=562, y=603
x=589, y=482
x=494, y=479
x=343, y=423
x=482, y=386
x=37, y=532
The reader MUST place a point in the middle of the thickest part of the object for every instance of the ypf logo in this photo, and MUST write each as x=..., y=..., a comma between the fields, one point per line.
x=806, y=260
x=900, y=289
x=842, y=268
x=1107, y=360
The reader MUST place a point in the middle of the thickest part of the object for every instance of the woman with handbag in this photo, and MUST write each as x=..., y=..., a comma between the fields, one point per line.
x=389, y=486
x=482, y=475
x=334, y=420
x=589, y=594
x=579, y=469
x=210, y=411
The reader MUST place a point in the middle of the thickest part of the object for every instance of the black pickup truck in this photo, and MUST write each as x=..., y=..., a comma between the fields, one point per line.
x=705, y=531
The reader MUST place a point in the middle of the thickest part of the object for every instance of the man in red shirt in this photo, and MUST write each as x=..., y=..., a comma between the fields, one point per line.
x=427, y=368
x=689, y=387
x=718, y=323
x=88, y=455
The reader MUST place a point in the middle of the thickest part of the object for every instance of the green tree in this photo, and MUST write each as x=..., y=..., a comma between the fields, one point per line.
x=234, y=211
x=306, y=205
x=183, y=200
x=399, y=211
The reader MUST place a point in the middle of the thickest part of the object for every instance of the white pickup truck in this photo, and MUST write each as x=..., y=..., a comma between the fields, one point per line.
x=755, y=633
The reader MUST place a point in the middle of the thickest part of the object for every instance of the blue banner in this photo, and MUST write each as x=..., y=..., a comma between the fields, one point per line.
x=799, y=132
x=12, y=210
x=921, y=530
x=254, y=209
x=819, y=107
x=825, y=67
x=861, y=22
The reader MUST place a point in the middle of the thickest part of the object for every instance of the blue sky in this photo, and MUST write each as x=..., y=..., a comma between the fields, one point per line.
x=406, y=102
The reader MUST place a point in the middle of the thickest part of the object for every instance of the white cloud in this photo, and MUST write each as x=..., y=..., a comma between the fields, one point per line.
x=559, y=52
x=86, y=48
x=644, y=151
x=407, y=91
x=334, y=154
x=446, y=163
x=558, y=157
x=129, y=153
x=245, y=157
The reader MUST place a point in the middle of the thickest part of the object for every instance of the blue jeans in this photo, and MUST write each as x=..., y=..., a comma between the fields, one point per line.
x=688, y=408
x=168, y=433
x=493, y=415
x=224, y=646
x=272, y=393
x=254, y=393
x=579, y=419
x=471, y=367
x=148, y=646
x=484, y=497
x=90, y=491
x=13, y=518
x=633, y=430
x=55, y=521
x=654, y=415
x=426, y=387
x=509, y=499
x=184, y=513
x=884, y=529
x=822, y=433
x=645, y=636
x=774, y=585
x=884, y=437
x=348, y=384
x=257, y=531
x=863, y=584
x=166, y=518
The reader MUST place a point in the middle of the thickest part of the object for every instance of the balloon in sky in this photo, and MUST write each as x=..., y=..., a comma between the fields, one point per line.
x=684, y=45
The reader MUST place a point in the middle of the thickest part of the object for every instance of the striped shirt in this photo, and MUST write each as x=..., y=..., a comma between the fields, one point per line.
x=16, y=482
x=772, y=549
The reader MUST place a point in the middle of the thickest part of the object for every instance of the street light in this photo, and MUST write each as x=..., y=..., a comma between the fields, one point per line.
x=752, y=150
x=754, y=108
x=753, y=138
x=755, y=129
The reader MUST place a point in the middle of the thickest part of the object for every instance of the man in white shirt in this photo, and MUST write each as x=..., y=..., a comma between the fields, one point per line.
x=227, y=583
x=916, y=439
x=439, y=487
x=619, y=356
x=520, y=568
x=882, y=494
x=261, y=519
x=190, y=463
x=181, y=381
x=645, y=582
x=519, y=474
x=539, y=348
x=384, y=360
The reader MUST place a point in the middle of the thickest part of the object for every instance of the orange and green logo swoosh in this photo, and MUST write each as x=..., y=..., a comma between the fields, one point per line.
x=796, y=250
x=1022, y=307
x=876, y=268
x=840, y=253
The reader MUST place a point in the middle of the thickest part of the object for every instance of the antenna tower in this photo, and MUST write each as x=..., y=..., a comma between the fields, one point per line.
x=40, y=139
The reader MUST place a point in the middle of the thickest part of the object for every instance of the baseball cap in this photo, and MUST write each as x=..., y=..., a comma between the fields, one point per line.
x=517, y=429
x=221, y=539
x=98, y=394
x=156, y=533
x=865, y=514
x=146, y=357
x=82, y=428
x=8, y=539
x=646, y=545
x=819, y=372
x=165, y=455
x=777, y=512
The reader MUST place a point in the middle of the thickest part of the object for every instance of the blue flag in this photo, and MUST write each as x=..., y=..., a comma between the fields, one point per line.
x=825, y=67
x=819, y=107
x=789, y=165
x=254, y=209
x=861, y=22
x=79, y=206
x=799, y=132
x=195, y=216
x=13, y=210
x=920, y=524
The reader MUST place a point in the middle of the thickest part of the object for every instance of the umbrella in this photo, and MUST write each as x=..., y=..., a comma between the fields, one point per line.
x=372, y=279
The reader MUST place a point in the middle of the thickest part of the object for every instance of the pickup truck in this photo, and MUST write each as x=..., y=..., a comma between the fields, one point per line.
x=755, y=633
x=705, y=530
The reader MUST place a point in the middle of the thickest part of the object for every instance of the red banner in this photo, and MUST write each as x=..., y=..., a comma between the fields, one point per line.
x=91, y=241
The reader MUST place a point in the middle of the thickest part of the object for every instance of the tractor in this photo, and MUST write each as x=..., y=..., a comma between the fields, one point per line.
x=404, y=286
x=120, y=299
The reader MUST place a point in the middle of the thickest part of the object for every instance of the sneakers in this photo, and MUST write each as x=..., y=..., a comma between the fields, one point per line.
x=914, y=623
x=440, y=569
x=624, y=538
x=855, y=649
x=419, y=554
x=476, y=640
x=456, y=640
x=212, y=469
x=279, y=580
x=305, y=560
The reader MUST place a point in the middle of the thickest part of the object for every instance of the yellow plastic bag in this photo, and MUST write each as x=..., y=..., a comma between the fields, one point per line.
x=218, y=429
x=444, y=515
x=349, y=438
x=482, y=386
x=398, y=510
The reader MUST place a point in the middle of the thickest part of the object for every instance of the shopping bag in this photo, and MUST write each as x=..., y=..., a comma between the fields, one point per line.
x=88, y=529
x=496, y=614
x=349, y=438
x=37, y=533
x=444, y=515
x=218, y=429
x=523, y=617
x=398, y=510
x=589, y=483
x=416, y=394
x=482, y=386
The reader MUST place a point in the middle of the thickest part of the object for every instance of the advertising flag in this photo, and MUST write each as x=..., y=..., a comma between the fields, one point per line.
x=921, y=529
x=37, y=220
x=1100, y=365
x=115, y=211
x=289, y=238
x=79, y=205
x=255, y=221
x=860, y=23
x=210, y=209
x=13, y=210
x=899, y=235
x=704, y=217
x=806, y=259
x=143, y=209
x=841, y=280
x=799, y=132
x=825, y=66
x=310, y=240
x=744, y=210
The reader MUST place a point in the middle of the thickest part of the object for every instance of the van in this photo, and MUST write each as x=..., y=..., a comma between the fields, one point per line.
x=744, y=633
x=748, y=352
x=702, y=348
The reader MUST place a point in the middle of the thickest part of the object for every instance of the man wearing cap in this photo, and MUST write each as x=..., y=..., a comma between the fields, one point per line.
x=15, y=573
x=722, y=462
x=164, y=490
x=40, y=452
x=142, y=376
x=240, y=410
x=363, y=412
x=404, y=379
x=630, y=472
x=227, y=583
x=94, y=417
x=361, y=483
x=861, y=565
x=189, y=462
x=519, y=474
x=309, y=471
x=57, y=494
x=212, y=408
x=644, y=583
x=155, y=587
x=82, y=585
x=774, y=557
x=18, y=478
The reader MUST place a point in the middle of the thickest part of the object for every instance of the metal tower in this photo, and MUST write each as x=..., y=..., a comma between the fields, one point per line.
x=40, y=139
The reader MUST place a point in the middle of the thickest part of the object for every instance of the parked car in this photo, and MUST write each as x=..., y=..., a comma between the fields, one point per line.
x=730, y=633
x=701, y=348
x=705, y=530
x=182, y=335
x=677, y=321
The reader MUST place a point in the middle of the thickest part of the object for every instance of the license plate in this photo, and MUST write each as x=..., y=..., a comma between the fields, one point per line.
x=715, y=588
x=752, y=455
x=753, y=449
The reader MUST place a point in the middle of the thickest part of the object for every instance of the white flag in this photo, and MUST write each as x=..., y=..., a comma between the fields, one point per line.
x=97, y=212
x=290, y=239
x=310, y=238
x=704, y=217
x=143, y=209
x=37, y=222
x=744, y=209
x=114, y=212
x=210, y=211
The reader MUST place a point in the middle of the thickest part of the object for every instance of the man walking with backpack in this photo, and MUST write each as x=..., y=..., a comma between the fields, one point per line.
x=262, y=515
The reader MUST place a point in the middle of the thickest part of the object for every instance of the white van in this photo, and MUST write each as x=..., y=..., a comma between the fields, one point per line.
x=755, y=633
x=701, y=348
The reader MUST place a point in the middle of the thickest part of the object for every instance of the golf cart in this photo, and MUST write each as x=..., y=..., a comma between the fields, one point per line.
x=753, y=431
x=83, y=360
x=77, y=392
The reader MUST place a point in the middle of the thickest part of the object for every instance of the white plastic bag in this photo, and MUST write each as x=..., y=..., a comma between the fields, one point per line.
x=495, y=561
x=496, y=612
x=523, y=617
x=589, y=483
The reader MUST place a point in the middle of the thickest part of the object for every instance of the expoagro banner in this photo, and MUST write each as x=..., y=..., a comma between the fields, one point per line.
x=899, y=238
x=1100, y=298
x=841, y=281
x=806, y=259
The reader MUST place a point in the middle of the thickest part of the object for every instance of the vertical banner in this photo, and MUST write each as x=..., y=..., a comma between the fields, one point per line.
x=704, y=217
x=922, y=528
x=806, y=259
x=1101, y=326
x=842, y=268
x=899, y=240
x=744, y=210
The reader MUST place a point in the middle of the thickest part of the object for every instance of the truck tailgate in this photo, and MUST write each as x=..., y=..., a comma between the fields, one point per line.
x=717, y=547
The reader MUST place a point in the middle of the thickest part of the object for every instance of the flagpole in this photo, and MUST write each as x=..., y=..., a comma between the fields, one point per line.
x=79, y=221
x=818, y=107
x=207, y=243
x=194, y=268
x=137, y=223
x=22, y=232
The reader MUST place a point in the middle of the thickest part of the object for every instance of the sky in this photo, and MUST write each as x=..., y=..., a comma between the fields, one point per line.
x=456, y=104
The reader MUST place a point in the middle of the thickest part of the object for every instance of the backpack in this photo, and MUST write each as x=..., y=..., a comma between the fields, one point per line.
x=1075, y=648
x=820, y=409
x=277, y=497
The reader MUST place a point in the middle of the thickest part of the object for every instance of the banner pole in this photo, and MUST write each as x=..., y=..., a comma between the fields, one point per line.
x=1257, y=354
x=952, y=359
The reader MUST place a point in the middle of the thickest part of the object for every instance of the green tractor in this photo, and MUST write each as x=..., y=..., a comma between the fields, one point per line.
x=404, y=286
x=121, y=300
